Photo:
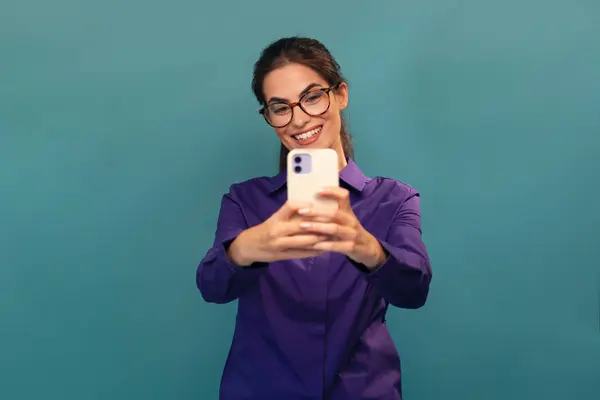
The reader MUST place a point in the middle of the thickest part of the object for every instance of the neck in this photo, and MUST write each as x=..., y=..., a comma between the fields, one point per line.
x=341, y=156
x=342, y=161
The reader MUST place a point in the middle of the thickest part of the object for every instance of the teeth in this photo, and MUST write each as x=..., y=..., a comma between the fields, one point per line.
x=307, y=135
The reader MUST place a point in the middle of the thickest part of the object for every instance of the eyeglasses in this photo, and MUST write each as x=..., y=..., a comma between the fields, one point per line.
x=314, y=103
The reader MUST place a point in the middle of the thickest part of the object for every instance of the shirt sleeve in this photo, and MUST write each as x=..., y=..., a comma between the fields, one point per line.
x=404, y=278
x=218, y=279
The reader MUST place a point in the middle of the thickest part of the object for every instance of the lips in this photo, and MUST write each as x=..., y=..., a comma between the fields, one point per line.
x=306, y=135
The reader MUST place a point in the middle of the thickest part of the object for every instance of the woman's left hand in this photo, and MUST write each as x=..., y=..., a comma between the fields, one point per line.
x=347, y=235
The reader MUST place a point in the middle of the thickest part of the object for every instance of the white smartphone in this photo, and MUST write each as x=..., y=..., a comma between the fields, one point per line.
x=310, y=170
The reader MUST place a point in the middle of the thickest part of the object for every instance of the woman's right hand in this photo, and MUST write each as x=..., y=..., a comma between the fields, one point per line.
x=280, y=237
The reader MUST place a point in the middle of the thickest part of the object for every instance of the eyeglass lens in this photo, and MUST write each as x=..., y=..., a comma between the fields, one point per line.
x=313, y=103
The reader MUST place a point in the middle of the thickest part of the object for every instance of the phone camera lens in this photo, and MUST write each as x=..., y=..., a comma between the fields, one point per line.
x=297, y=160
x=298, y=169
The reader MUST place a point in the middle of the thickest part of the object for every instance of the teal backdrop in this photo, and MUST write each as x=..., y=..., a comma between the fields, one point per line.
x=123, y=122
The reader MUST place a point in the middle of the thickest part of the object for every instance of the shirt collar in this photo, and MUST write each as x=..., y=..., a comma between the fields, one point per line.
x=351, y=175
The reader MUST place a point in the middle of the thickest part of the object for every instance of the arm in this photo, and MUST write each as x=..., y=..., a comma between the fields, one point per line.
x=397, y=265
x=403, y=278
x=218, y=278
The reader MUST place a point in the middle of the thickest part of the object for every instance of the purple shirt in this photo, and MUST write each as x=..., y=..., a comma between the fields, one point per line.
x=315, y=328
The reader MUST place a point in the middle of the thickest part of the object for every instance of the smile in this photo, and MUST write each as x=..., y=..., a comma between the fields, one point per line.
x=307, y=135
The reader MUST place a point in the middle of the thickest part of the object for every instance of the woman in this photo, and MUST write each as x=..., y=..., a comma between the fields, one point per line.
x=312, y=297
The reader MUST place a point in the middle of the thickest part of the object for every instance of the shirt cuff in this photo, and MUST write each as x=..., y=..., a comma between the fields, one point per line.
x=396, y=258
x=224, y=247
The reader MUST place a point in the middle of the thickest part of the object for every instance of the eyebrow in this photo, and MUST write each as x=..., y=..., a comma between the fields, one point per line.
x=306, y=90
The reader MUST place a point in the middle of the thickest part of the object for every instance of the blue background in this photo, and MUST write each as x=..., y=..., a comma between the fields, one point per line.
x=123, y=122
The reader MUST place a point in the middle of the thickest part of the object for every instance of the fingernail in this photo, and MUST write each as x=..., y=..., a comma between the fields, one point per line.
x=305, y=225
x=303, y=211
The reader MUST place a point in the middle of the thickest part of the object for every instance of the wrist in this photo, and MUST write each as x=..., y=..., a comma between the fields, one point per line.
x=237, y=251
x=377, y=254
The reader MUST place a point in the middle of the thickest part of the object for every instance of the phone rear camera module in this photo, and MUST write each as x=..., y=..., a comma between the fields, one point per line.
x=298, y=169
x=298, y=159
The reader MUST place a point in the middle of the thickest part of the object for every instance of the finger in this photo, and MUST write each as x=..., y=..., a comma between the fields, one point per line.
x=331, y=229
x=288, y=210
x=297, y=241
x=343, y=246
x=338, y=193
x=286, y=228
x=300, y=253
x=340, y=216
x=316, y=213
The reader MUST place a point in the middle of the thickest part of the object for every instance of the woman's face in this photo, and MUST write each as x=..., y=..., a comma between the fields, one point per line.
x=289, y=84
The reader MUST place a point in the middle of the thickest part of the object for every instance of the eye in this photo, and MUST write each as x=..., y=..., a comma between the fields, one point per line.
x=279, y=109
x=313, y=97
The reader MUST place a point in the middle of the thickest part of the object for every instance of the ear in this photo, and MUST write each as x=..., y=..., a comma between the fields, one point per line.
x=341, y=93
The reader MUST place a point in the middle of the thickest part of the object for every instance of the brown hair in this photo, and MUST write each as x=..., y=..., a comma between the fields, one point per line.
x=308, y=52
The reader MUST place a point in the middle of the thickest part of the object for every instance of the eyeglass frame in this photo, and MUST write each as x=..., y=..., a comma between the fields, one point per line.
x=298, y=103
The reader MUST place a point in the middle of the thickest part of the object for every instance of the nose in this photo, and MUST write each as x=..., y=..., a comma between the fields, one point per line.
x=299, y=117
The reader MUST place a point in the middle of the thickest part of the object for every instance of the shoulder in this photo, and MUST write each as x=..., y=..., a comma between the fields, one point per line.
x=385, y=200
x=251, y=188
x=391, y=188
x=381, y=187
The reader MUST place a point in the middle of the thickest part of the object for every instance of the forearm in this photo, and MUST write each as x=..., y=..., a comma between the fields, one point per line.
x=403, y=279
x=402, y=272
x=227, y=271
x=224, y=274
x=241, y=252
